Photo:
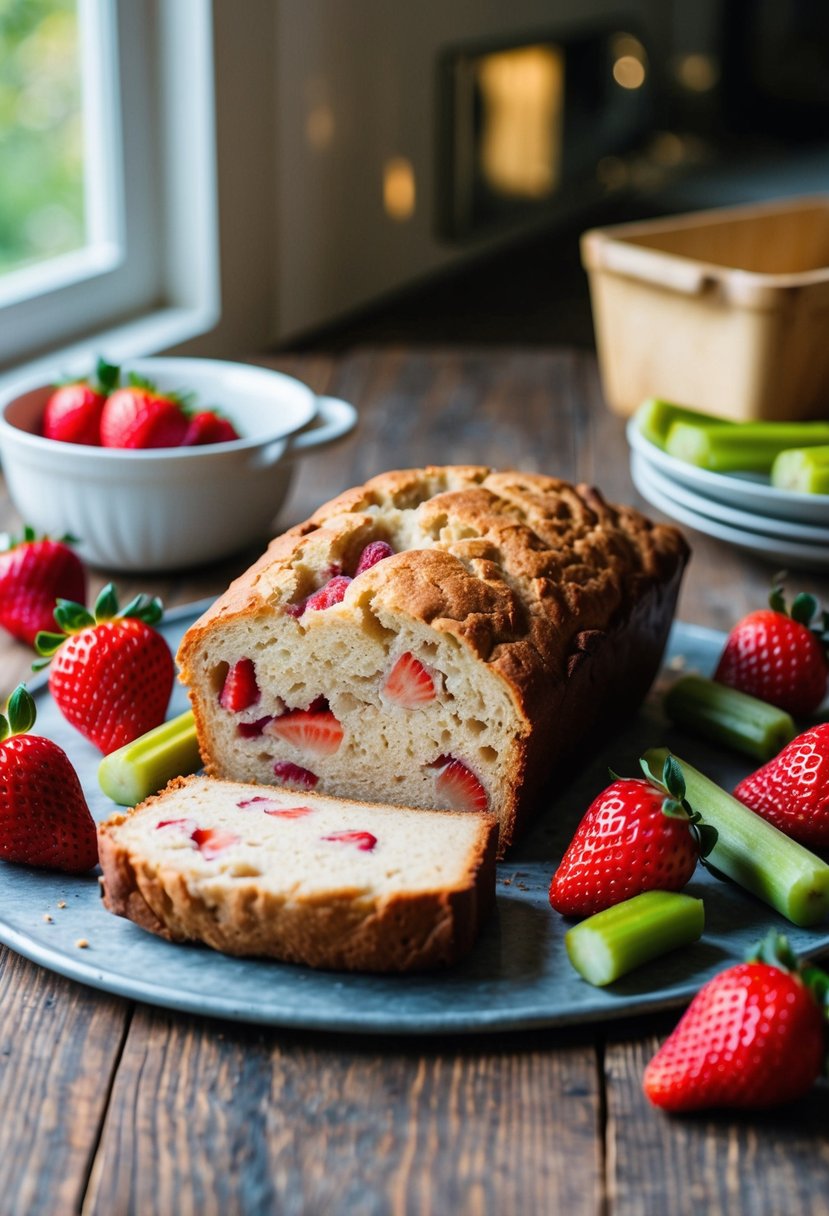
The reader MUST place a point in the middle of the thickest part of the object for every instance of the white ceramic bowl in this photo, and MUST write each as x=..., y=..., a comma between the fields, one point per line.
x=170, y=508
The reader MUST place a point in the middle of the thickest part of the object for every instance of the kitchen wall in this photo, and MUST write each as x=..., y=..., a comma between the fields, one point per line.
x=354, y=94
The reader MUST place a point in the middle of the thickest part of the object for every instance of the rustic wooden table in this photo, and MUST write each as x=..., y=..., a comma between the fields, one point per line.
x=110, y=1107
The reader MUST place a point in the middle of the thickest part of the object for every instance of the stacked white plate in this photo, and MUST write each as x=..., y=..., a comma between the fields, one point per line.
x=739, y=508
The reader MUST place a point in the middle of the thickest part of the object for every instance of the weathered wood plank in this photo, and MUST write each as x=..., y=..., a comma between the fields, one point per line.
x=755, y=1164
x=59, y=1047
x=210, y=1118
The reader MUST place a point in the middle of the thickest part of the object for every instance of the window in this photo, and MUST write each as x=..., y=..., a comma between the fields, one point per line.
x=105, y=130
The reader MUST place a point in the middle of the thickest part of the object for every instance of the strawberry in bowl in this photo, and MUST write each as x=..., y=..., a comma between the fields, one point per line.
x=73, y=411
x=146, y=508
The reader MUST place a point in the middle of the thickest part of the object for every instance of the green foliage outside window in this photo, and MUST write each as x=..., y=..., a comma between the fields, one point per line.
x=41, y=132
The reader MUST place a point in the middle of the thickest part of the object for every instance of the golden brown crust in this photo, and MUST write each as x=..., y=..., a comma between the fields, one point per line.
x=406, y=932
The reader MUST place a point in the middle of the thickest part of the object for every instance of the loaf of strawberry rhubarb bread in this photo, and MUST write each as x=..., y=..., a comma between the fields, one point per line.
x=437, y=638
x=305, y=879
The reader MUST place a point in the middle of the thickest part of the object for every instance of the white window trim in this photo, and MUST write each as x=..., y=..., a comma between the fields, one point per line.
x=178, y=237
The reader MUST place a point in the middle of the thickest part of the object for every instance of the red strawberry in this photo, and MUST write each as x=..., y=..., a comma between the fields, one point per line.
x=459, y=789
x=73, y=412
x=112, y=673
x=635, y=836
x=212, y=841
x=240, y=689
x=779, y=657
x=329, y=594
x=792, y=789
x=34, y=573
x=139, y=416
x=752, y=1037
x=44, y=819
x=409, y=684
x=187, y=825
x=271, y=807
x=315, y=731
x=293, y=775
x=364, y=841
x=208, y=427
x=376, y=551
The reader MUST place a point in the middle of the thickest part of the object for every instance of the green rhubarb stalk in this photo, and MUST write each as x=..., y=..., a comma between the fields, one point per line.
x=655, y=418
x=805, y=470
x=613, y=942
x=133, y=772
x=741, y=446
x=727, y=716
x=752, y=852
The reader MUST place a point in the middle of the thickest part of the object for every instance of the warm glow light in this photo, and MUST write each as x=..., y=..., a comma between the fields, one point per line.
x=522, y=94
x=612, y=173
x=399, y=189
x=629, y=72
x=697, y=73
x=667, y=148
x=319, y=127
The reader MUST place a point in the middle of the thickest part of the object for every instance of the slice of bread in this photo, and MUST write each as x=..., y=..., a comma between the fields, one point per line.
x=299, y=877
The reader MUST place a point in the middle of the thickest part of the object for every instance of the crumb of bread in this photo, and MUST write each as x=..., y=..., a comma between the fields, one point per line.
x=82, y=943
x=47, y=918
x=61, y=903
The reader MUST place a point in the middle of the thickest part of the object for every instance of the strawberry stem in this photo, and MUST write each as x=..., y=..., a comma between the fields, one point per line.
x=677, y=806
x=774, y=949
x=805, y=609
x=107, y=375
x=73, y=618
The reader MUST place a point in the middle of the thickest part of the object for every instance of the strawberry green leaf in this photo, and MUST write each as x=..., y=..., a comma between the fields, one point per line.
x=47, y=644
x=72, y=617
x=21, y=710
x=804, y=608
x=106, y=605
x=775, y=950
x=146, y=609
x=707, y=837
x=777, y=600
x=108, y=375
x=646, y=769
x=673, y=809
x=29, y=533
x=817, y=981
x=183, y=398
x=673, y=778
x=136, y=381
x=4, y=728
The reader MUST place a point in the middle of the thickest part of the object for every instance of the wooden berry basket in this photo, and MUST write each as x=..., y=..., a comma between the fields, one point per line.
x=725, y=311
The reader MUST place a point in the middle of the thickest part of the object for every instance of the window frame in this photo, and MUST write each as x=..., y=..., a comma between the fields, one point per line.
x=149, y=276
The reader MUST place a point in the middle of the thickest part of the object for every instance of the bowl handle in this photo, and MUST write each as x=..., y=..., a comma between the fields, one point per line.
x=335, y=418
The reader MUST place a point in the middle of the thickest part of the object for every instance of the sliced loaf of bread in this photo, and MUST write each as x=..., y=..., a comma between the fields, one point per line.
x=303, y=878
x=438, y=637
